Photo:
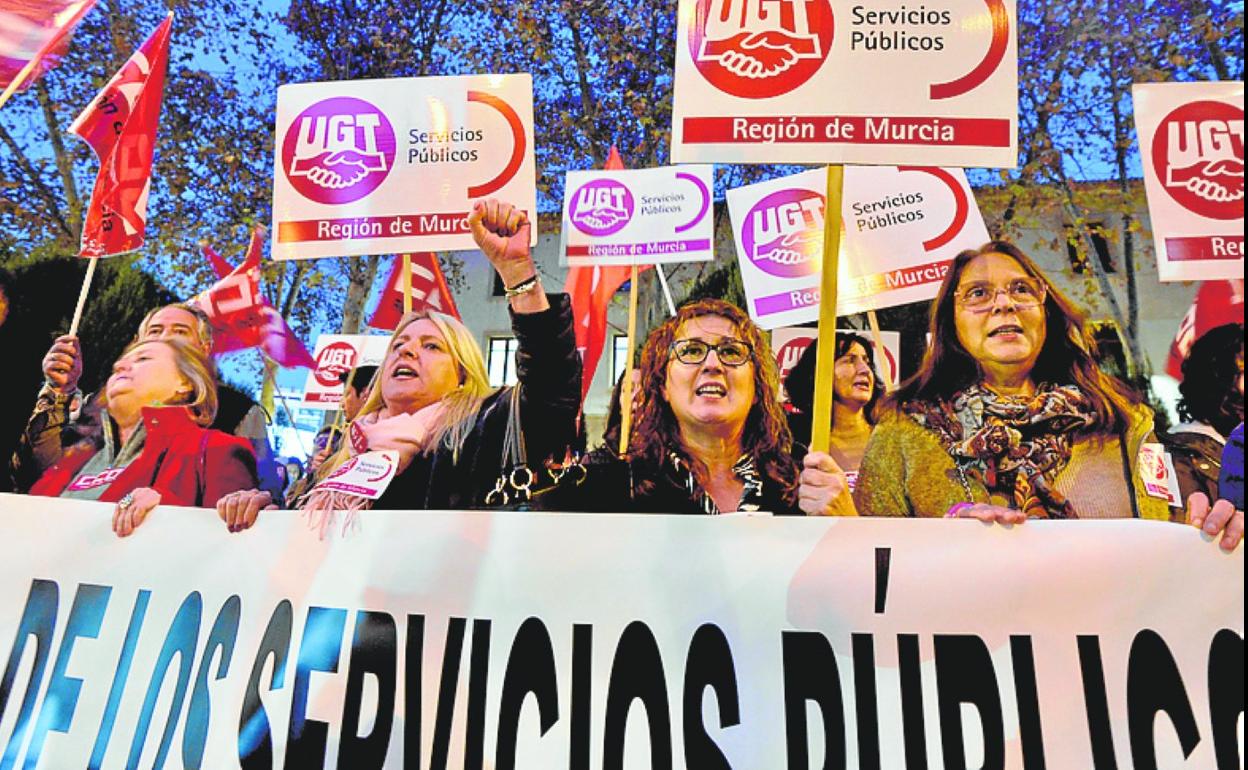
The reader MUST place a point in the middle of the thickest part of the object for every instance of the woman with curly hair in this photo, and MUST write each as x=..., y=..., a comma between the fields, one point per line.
x=1212, y=404
x=709, y=435
x=1009, y=417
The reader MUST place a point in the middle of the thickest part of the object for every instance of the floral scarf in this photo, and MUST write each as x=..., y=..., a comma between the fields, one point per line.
x=1015, y=445
x=744, y=469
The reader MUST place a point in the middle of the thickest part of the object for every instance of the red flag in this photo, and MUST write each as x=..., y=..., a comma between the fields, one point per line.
x=120, y=125
x=429, y=290
x=34, y=34
x=1217, y=303
x=591, y=290
x=242, y=318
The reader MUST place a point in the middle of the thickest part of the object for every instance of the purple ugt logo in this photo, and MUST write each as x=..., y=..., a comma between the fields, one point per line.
x=601, y=207
x=338, y=150
x=783, y=233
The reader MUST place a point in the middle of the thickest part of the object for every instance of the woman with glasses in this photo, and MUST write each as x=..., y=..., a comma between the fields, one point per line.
x=709, y=435
x=1009, y=417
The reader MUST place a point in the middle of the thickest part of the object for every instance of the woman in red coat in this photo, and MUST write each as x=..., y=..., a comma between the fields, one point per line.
x=155, y=448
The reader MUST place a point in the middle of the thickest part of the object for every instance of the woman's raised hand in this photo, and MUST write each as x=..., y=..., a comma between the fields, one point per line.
x=502, y=233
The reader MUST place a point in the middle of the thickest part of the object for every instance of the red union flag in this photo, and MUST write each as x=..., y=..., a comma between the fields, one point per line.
x=429, y=291
x=241, y=317
x=33, y=37
x=120, y=125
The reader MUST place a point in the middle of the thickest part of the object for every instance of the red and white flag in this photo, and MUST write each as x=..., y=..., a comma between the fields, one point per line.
x=1217, y=303
x=241, y=317
x=120, y=125
x=591, y=290
x=33, y=37
x=429, y=291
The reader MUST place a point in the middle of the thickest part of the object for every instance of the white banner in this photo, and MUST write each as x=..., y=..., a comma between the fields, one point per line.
x=901, y=229
x=638, y=216
x=788, y=344
x=337, y=354
x=503, y=640
x=388, y=166
x=1192, y=146
x=840, y=81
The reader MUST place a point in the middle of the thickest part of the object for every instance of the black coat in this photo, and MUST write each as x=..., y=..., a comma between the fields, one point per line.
x=612, y=485
x=549, y=369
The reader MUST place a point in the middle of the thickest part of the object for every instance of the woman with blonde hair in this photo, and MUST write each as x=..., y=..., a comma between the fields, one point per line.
x=462, y=443
x=153, y=446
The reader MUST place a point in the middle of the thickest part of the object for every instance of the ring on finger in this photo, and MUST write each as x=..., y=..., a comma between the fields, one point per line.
x=126, y=501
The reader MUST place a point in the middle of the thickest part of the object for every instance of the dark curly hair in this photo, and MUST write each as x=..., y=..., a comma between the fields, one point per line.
x=1210, y=371
x=766, y=435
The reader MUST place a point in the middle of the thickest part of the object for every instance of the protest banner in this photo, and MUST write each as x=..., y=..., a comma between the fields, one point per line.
x=392, y=166
x=789, y=342
x=638, y=216
x=337, y=354
x=509, y=640
x=902, y=228
x=1192, y=147
x=787, y=82
x=33, y=38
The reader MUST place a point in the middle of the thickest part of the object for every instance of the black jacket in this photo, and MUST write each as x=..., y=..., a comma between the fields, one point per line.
x=1197, y=461
x=612, y=485
x=549, y=370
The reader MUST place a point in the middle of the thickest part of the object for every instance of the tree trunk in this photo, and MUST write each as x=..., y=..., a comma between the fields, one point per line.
x=64, y=162
x=361, y=272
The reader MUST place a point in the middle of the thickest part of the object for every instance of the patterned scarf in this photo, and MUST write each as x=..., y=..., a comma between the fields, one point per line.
x=1015, y=445
x=744, y=469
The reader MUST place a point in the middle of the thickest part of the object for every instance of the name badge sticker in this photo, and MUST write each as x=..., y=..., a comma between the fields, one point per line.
x=367, y=475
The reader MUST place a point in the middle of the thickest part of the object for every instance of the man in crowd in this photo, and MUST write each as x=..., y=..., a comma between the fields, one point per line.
x=63, y=416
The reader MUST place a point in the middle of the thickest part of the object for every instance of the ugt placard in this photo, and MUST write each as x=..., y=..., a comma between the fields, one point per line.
x=388, y=166
x=834, y=81
x=638, y=216
x=337, y=354
x=1192, y=146
x=901, y=229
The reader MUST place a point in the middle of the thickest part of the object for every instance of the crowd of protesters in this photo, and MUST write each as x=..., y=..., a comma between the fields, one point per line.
x=1009, y=417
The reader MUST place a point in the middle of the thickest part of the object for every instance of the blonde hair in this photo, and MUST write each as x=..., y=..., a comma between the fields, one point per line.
x=461, y=405
x=197, y=369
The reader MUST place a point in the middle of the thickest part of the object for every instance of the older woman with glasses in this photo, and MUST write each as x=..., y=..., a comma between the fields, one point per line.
x=1010, y=417
x=710, y=436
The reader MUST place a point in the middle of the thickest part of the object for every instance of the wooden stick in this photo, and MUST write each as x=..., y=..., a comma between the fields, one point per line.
x=21, y=78
x=82, y=295
x=626, y=389
x=825, y=358
x=407, y=284
x=878, y=338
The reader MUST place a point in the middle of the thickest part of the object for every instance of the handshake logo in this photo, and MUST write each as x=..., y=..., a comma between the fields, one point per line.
x=601, y=207
x=1198, y=154
x=783, y=233
x=759, y=48
x=339, y=150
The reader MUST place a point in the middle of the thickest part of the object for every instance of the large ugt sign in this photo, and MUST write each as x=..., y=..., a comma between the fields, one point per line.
x=502, y=640
x=840, y=81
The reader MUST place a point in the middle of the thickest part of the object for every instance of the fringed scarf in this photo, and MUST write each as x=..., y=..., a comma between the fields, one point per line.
x=1015, y=445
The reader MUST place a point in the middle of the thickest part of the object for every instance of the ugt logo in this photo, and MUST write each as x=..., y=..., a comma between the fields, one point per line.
x=760, y=48
x=1198, y=153
x=601, y=207
x=783, y=233
x=338, y=150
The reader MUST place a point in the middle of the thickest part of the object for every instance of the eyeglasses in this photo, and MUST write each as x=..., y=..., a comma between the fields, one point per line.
x=1022, y=292
x=730, y=352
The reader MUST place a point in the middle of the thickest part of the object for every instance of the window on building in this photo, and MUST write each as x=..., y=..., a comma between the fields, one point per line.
x=502, y=361
x=1077, y=247
x=1111, y=351
x=619, y=356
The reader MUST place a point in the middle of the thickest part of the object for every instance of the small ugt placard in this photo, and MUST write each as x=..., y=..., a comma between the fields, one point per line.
x=1192, y=147
x=391, y=166
x=902, y=227
x=842, y=81
x=336, y=355
x=638, y=216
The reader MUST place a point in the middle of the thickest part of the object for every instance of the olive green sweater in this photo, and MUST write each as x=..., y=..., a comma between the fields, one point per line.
x=907, y=472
